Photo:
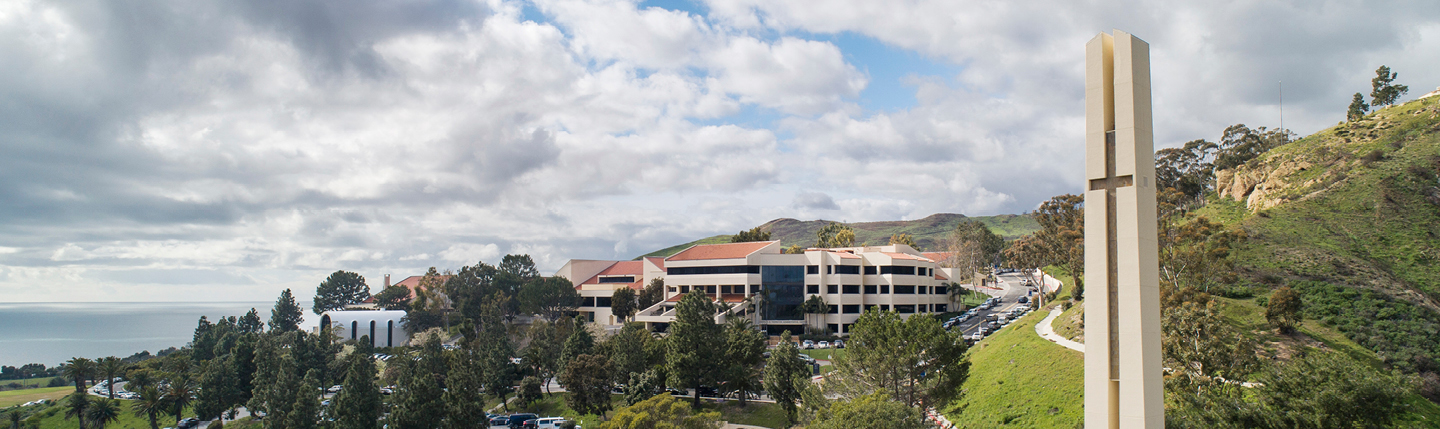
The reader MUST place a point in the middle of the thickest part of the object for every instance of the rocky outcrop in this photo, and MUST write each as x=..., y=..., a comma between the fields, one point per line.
x=1270, y=183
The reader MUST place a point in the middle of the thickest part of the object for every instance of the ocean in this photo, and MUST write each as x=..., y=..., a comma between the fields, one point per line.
x=51, y=333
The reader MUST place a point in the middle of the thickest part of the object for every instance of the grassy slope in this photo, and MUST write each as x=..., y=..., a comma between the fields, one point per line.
x=13, y=397
x=1018, y=379
x=27, y=383
x=53, y=417
x=926, y=231
x=1367, y=224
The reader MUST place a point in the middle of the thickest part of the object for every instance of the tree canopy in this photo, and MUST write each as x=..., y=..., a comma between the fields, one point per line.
x=914, y=360
x=287, y=315
x=692, y=335
x=754, y=234
x=1384, y=91
x=835, y=234
x=342, y=288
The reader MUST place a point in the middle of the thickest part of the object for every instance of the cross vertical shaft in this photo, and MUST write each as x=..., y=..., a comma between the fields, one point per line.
x=1122, y=315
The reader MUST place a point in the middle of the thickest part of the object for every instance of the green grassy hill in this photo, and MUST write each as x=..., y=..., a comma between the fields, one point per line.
x=1350, y=217
x=927, y=232
x=1018, y=379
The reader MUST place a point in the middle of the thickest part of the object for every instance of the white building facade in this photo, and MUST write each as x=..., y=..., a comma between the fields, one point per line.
x=760, y=282
x=382, y=326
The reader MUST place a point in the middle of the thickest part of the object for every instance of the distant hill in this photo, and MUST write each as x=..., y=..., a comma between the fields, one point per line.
x=927, y=232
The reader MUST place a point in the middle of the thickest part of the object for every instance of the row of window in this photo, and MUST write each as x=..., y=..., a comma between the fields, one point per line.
x=878, y=289
x=809, y=269
x=829, y=289
x=899, y=308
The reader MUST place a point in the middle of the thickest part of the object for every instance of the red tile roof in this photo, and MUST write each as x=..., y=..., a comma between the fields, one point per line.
x=413, y=282
x=658, y=261
x=719, y=251
x=622, y=268
x=937, y=256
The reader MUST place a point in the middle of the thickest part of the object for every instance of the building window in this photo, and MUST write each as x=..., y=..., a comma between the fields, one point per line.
x=884, y=289
x=846, y=327
x=710, y=289
x=939, y=290
x=870, y=270
x=904, y=290
x=671, y=288
x=870, y=289
x=684, y=289
x=884, y=307
x=754, y=288
x=905, y=309
x=724, y=269
x=941, y=308
x=588, y=301
x=602, y=301
x=873, y=307
x=832, y=289
x=898, y=270
x=829, y=269
x=784, y=289
x=812, y=289
x=847, y=269
x=851, y=308
x=833, y=328
x=618, y=279
x=834, y=309
x=852, y=289
x=921, y=290
x=812, y=269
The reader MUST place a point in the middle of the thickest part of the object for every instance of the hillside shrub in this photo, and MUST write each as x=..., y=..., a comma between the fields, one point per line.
x=1402, y=334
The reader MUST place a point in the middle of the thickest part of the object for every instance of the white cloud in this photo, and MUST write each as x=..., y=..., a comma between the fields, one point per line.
x=470, y=253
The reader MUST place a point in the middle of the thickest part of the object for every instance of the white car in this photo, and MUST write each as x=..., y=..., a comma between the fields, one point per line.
x=822, y=345
x=549, y=422
x=807, y=344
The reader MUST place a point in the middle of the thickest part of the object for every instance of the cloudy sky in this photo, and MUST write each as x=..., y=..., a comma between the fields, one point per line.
x=184, y=150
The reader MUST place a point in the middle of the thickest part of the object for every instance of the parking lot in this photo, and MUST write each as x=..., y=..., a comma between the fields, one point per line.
x=1004, y=300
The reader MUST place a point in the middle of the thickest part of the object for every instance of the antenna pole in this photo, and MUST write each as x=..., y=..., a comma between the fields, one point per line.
x=1282, y=106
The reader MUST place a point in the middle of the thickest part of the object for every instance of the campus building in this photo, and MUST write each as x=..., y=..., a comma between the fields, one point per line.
x=758, y=281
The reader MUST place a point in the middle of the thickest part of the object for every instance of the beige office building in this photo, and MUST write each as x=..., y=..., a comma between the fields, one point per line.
x=759, y=282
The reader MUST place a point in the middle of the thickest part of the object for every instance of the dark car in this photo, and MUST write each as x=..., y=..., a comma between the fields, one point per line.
x=500, y=421
x=516, y=420
x=708, y=391
x=189, y=423
x=675, y=392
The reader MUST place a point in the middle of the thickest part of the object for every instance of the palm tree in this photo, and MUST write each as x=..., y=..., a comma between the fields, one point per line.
x=110, y=367
x=179, y=393
x=79, y=369
x=151, y=405
x=75, y=405
x=15, y=419
x=103, y=412
x=956, y=294
x=815, y=305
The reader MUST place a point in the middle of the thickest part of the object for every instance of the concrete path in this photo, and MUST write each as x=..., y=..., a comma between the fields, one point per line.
x=1048, y=332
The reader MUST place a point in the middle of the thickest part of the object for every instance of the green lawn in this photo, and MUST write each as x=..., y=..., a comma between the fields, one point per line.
x=53, y=417
x=26, y=383
x=16, y=397
x=1019, y=379
x=752, y=413
x=825, y=354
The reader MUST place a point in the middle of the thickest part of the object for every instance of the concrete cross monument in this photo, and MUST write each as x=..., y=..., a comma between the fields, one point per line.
x=1123, y=388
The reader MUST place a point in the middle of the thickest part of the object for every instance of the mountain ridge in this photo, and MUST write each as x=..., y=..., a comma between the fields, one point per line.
x=927, y=231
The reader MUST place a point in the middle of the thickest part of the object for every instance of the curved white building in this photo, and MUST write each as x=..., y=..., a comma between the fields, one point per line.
x=382, y=326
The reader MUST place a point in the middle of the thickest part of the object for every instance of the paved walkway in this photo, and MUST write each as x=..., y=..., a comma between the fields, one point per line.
x=1048, y=332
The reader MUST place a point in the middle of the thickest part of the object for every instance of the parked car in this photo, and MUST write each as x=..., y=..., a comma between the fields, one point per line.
x=1023, y=300
x=839, y=344
x=676, y=392
x=708, y=391
x=982, y=332
x=549, y=422
x=500, y=421
x=516, y=420
x=189, y=423
x=807, y=344
x=822, y=345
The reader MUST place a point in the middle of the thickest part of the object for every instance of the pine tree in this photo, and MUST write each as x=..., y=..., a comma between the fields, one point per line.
x=1383, y=91
x=251, y=323
x=464, y=394
x=1358, y=108
x=588, y=378
x=692, y=338
x=785, y=377
x=419, y=401
x=306, y=411
x=358, y=404
x=287, y=315
x=580, y=342
x=340, y=289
